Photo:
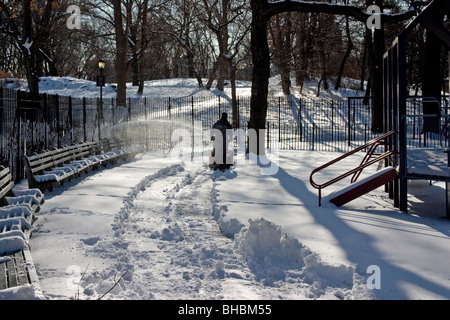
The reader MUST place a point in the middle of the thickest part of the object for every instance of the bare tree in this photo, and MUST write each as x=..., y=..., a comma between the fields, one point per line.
x=348, y=51
x=281, y=31
x=121, y=54
x=30, y=30
x=180, y=19
x=262, y=11
x=222, y=18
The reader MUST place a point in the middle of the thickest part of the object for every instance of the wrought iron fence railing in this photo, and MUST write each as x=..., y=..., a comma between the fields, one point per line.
x=50, y=121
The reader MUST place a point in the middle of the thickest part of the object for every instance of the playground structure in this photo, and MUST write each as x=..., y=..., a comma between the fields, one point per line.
x=370, y=183
x=411, y=152
x=398, y=117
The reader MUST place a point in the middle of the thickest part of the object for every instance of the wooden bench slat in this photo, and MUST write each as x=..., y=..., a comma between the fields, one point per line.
x=70, y=161
x=5, y=189
x=20, y=268
x=11, y=274
x=3, y=279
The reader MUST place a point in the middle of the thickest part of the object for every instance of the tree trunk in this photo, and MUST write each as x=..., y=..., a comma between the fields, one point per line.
x=121, y=55
x=377, y=81
x=281, y=39
x=346, y=55
x=363, y=67
x=144, y=45
x=261, y=73
x=376, y=52
x=234, y=95
x=304, y=53
x=212, y=76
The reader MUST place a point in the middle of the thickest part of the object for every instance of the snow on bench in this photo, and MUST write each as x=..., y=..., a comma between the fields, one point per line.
x=362, y=187
x=50, y=169
x=30, y=198
x=17, y=209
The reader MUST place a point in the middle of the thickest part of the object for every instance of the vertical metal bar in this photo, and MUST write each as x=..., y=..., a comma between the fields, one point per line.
x=348, y=121
x=58, y=128
x=279, y=119
x=401, y=93
x=71, y=120
x=84, y=120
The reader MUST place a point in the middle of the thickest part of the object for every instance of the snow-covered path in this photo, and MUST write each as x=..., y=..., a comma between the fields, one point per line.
x=174, y=230
x=174, y=246
x=176, y=250
x=167, y=241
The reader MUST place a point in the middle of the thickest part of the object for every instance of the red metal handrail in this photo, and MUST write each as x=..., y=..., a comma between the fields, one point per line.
x=356, y=171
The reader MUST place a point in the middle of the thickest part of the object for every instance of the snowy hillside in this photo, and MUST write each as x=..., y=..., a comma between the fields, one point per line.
x=67, y=86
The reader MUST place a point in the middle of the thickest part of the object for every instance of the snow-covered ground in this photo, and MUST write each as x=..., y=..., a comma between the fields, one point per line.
x=180, y=87
x=177, y=230
x=161, y=228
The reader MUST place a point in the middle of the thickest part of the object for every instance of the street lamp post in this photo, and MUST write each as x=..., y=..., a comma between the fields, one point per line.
x=101, y=84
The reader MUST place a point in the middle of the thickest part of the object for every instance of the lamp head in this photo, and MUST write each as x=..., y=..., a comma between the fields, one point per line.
x=101, y=64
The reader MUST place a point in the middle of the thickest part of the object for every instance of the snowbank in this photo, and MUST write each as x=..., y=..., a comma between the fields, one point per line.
x=25, y=292
x=275, y=257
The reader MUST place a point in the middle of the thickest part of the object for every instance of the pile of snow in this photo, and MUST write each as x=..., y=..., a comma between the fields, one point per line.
x=25, y=292
x=276, y=257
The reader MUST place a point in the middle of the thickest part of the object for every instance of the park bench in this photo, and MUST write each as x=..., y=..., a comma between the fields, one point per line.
x=104, y=151
x=9, y=197
x=52, y=168
x=17, y=209
x=112, y=150
x=125, y=152
x=42, y=173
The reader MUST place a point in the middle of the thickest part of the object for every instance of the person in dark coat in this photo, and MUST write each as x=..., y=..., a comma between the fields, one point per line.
x=220, y=145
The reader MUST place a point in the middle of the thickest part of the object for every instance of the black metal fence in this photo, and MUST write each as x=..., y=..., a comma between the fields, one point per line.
x=29, y=123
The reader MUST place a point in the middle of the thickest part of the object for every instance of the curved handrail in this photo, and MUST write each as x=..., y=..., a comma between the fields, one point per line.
x=354, y=171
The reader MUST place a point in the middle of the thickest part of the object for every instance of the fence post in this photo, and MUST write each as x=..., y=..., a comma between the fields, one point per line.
x=349, y=121
x=129, y=109
x=192, y=111
x=84, y=120
x=220, y=113
x=279, y=119
x=145, y=108
x=71, y=119
x=168, y=110
x=113, y=111
x=238, y=116
x=332, y=120
x=313, y=135
x=58, y=128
